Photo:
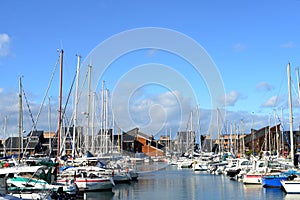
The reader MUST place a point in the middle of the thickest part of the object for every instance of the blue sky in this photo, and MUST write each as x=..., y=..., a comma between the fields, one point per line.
x=250, y=43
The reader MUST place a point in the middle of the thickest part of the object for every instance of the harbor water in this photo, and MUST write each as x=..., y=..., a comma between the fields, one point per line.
x=168, y=182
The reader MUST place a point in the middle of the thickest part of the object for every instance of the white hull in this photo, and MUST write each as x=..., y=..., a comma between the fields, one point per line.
x=199, y=167
x=291, y=186
x=91, y=184
x=29, y=196
x=252, y=179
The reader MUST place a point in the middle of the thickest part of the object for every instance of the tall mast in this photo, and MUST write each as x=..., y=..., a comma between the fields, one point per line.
x=60, y=102
x=5, y=126
x=88, y=109
x=219, y=140
x=277, y=135
x=102, y=119
x=20, y=118
x=269, y=133
x=192, y=135
x=75, y=106
x=106, y=121
x=49, y=125
x=243, y=140
x=93, y=124
x=282, y=139
x=298, y=84
x=198, y=127
x=291, y=110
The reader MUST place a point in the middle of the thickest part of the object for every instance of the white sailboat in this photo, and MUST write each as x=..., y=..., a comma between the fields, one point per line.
x=291, y=186
x=88, y=178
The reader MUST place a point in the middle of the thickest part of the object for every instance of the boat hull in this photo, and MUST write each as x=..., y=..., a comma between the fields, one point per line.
x=91, y=184
x=252, y=179
x=272, y=181
x=291, y=186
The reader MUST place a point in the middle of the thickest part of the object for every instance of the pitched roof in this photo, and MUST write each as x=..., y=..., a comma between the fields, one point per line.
x=35, y=133
x=135, y=132
x=13, y=142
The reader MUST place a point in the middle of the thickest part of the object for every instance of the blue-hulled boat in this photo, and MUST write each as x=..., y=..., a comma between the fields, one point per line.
x=273, y=181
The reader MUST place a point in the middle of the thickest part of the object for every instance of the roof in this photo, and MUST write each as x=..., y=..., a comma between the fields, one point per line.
x=35, y=133
x=135, y=132
x=260, y=133
x=13, y=142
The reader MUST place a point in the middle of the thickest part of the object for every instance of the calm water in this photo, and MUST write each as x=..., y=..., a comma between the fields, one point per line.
x=171, y=183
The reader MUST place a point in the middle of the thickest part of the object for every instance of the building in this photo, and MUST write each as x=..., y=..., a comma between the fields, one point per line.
x=137, y=142
x=32, y=144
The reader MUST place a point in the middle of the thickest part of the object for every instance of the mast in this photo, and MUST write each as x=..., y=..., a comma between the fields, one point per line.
x=93, y=124
x=282, y=139
x=75, y=106
x=291, y=110
x=218, y=128
x=119, y=146
x=5, y=127
x=269, y=136
x=298, y=84
x=170, y=142
x=60, y=102
x=102, y=118
x=20, y=119
x=106, y=121
x=198, y=129
x=49, y=125
x=112, y=134
x=252, y=132
x=277, y=134
x=88, y=109
x=243, y=140
x=192, y=135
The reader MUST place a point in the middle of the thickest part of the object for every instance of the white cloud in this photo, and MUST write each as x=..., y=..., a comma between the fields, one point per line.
x=231, y=98
x=4, y=44
x=151, y=112
x=288, y=45
x=271, y=102
x=264, y=87
x=239, y=47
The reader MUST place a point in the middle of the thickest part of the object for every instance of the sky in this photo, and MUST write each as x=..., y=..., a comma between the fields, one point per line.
x=165, y=63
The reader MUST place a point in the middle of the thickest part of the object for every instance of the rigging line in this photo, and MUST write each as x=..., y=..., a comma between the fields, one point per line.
x=29, y=110
x=284, y=133
x=295, y=90
x=224, y=127
x=68, y=98
x=40, y=110
x=280, y=87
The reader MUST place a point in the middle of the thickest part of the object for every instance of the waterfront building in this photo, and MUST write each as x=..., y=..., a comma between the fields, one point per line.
x=137, y=142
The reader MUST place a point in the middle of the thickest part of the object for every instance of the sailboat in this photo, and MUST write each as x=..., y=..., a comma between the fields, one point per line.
x=292, y=185
x=34, y=179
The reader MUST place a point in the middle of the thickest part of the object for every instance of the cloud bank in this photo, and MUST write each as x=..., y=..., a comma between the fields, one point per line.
x=4, y=44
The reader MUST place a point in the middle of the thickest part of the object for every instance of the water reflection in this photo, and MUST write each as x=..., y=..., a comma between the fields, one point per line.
x=171, y=183
x=292, y=196
x=104, y=195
